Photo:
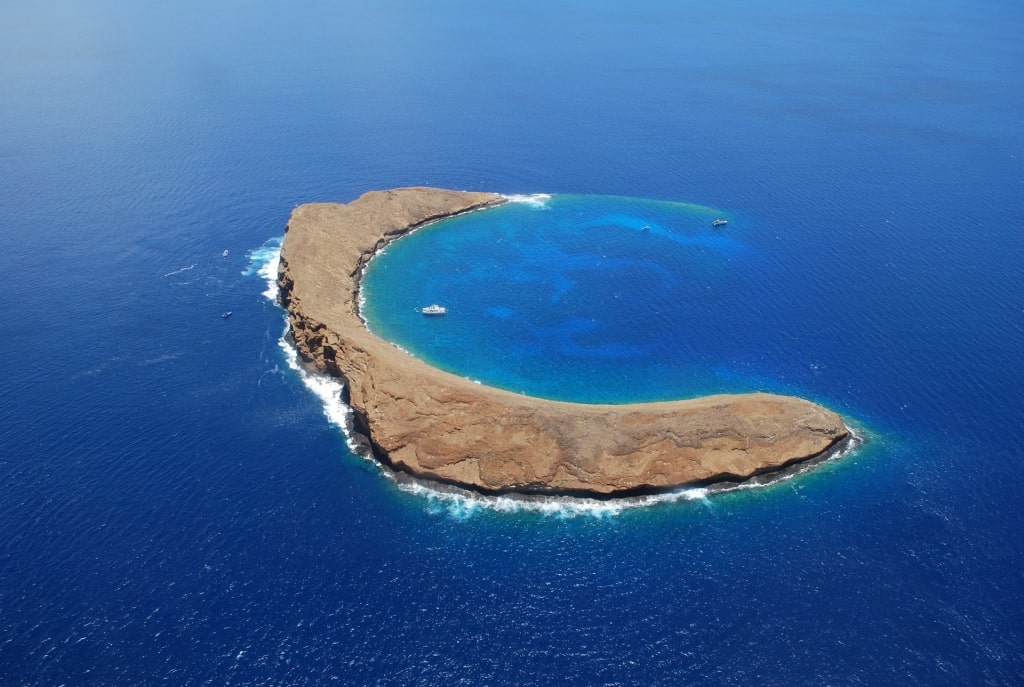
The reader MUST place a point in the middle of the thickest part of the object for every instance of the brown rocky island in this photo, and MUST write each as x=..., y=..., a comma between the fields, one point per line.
x=439, y=426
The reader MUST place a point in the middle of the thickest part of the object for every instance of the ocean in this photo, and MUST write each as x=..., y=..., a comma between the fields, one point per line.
x=179, y=504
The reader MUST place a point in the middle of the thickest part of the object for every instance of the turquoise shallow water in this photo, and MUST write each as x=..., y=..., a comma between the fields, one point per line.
x=585, y=298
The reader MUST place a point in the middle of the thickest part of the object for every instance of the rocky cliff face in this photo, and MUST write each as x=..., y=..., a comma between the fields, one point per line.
x=438, y=426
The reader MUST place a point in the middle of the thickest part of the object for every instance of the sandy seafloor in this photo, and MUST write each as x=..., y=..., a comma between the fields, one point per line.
x=179, y=507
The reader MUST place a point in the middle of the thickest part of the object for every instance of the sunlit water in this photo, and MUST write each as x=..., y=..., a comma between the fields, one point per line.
x=179, y=504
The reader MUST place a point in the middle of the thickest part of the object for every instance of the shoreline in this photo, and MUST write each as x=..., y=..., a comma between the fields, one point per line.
x=359, y=300
x=461, y=497
x=449, y=430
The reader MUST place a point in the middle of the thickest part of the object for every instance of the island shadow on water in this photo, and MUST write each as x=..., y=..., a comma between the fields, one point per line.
x=421, y=421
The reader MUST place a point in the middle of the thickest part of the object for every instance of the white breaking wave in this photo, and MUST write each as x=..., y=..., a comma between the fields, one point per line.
x=329, y=391
x=263, y=261
x=537, y=200
x=461, y=504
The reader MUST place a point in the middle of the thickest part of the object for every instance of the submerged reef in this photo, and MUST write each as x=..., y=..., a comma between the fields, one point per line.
x=431, y=424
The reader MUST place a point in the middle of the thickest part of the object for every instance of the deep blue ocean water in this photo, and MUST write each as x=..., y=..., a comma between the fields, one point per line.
x=176, y=508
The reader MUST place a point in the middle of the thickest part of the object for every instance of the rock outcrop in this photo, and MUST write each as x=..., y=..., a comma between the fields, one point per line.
x=445, y=428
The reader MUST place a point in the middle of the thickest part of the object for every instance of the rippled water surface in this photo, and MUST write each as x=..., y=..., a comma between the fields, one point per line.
x=178, y=505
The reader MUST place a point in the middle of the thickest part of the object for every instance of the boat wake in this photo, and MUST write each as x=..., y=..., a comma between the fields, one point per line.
x=183, y=269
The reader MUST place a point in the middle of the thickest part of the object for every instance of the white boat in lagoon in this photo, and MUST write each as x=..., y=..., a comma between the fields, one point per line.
x=434, y=309
x=719, y=222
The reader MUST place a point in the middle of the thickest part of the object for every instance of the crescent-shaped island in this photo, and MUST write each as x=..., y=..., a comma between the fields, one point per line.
x=438, y=426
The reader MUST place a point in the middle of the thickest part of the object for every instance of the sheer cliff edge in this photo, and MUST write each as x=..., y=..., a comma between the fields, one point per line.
x=442, y=427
